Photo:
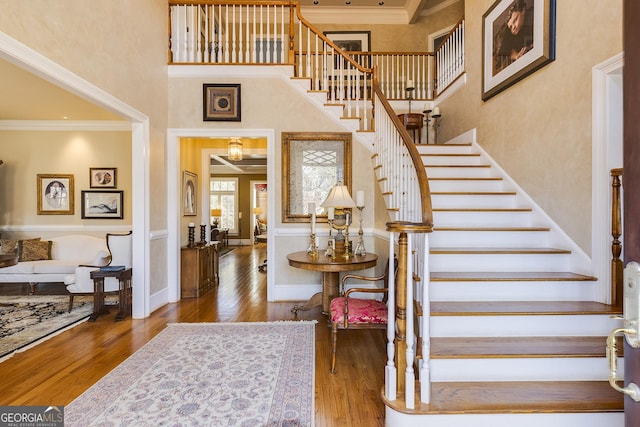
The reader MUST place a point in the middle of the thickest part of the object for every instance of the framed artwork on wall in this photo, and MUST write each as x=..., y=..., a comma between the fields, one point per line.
x=55, y=194
x=102, y=177
x=221, y=102
x=351, y=41
x=518, y=38
x=189, y=193
x=312, y=164
x=102, y=204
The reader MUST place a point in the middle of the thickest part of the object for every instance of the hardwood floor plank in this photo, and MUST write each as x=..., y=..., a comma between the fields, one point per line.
x=58, y=370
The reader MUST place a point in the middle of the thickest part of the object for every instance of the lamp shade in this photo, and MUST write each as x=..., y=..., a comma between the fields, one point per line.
x=339, y=197
x=234, y=150
x=216, y=212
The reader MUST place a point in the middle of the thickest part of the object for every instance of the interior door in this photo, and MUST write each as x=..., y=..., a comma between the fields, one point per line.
x=631, y=179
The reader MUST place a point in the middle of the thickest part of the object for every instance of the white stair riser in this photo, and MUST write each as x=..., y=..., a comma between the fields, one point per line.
x=530, y=239
x=304, y=84
x=484, y=219
x=495, y=201
x=520, y=369
x=588, y=419
x=318, y=97
x=461, y=172
x=452, y=160
x=352, y=125
x=512, y=291
x=436, y=185
x=335, y=110
x=522, y=326
x=499, y=262
x=444, y=149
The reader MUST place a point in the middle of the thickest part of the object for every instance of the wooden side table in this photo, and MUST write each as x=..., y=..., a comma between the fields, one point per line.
x=124, y=293
x=330, y=268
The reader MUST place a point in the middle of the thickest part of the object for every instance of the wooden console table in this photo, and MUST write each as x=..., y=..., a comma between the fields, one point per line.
x=413, y=122
x=330, y=268
x=124, y=293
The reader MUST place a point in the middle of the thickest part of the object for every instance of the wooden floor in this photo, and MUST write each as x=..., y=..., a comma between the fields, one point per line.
x=58, y=370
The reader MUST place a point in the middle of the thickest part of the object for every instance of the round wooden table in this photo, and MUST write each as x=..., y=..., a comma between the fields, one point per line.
x=8, y=260
x=331, y=269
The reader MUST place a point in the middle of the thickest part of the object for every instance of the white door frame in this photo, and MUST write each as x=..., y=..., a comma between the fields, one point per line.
x=606, y=155
x=173, y=197
x=28, y=59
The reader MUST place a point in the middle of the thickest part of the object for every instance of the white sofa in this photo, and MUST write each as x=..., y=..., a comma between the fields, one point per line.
x=67, y=253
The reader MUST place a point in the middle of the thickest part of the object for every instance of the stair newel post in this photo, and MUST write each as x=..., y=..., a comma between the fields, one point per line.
x=401, y=313
x=616, y=232
x=292, y=52
x=390, y=369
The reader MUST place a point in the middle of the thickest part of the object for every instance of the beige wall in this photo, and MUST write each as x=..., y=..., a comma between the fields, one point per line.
x=28, y=153
x=121, y=47
x=539, y=130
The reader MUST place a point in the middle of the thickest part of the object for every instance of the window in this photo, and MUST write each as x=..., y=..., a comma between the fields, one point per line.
x=223, y=195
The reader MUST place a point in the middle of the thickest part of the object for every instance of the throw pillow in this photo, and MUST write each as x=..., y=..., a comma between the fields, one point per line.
x=30, y=250
x=10, y=247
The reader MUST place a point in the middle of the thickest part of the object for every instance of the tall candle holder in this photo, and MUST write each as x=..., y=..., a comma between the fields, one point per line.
x=192, y=235
x=312, y=250
x=331, y=244
x=203, y=234
x=359, y=249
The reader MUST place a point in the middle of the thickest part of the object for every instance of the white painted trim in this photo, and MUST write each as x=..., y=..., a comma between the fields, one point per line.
x=66, y=125
x=173, y=198
x=232, y=71
x=35, y=63
x=601, y=177
x=356, y=15
x=438, y=7
x=67, y=229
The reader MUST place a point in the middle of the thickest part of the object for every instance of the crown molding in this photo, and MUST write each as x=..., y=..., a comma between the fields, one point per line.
x=356, y=15
x=440, y=6
x=65, y=125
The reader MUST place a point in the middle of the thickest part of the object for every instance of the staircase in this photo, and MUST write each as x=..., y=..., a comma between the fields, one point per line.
x=515, y=335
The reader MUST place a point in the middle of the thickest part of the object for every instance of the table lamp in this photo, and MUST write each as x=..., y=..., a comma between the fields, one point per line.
x=339, y=217
x=215, y=215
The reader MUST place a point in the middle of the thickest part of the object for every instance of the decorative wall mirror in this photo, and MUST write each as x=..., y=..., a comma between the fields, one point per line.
x=312, y=163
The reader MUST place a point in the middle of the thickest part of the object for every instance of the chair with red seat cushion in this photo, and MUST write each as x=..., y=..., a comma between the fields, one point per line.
x=348, y=312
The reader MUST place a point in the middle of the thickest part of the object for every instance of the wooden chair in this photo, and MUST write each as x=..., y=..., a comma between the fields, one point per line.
x=347, y=312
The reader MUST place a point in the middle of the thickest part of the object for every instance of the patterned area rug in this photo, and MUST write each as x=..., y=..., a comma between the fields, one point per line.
x=209, y=374
x=25, y=320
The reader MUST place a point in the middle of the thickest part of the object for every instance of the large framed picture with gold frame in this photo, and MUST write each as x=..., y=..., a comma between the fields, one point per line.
x=312, y=163
x=55, y=194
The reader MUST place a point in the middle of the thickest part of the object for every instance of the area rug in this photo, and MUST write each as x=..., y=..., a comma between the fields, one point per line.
x=209, y=374
x=25, y=320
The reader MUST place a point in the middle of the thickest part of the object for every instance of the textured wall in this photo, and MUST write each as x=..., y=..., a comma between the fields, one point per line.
x=539, y=129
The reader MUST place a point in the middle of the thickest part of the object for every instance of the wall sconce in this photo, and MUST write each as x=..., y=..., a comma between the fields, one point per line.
x=234, y=149
x=339, y=204
x=215, y=215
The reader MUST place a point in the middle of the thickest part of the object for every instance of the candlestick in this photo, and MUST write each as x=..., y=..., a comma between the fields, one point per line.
x=312, y=250
x=359, y=249
x=192, y=234
x=203, y=233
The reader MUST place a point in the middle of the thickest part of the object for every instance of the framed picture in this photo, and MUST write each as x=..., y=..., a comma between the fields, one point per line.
x=55, y=194
x=102, y=204
x=518, y=38
x=102, y=177
x=189, y=193
x=351, y=41
x=221, y=102
x=312, y=164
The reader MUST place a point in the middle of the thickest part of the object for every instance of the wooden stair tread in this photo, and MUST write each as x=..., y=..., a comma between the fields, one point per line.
x=465, y=179
x=473, y=193
x=465, y=228
x=517, y=308
x=482, y=209
x=516, y=276
x=520, y=347
x=516, y=397
x=489, y=250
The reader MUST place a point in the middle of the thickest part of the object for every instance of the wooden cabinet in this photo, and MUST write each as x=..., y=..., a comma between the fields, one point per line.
x=198, y=269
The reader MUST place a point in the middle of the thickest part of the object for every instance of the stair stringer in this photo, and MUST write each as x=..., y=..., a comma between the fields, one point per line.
x=580, y=262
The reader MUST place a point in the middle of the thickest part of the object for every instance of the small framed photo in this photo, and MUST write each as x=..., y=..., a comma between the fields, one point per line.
x=189, y=193
x=102, y=178
x=106, y=204
x=221, y=102
x=55, y=194
x=351, y=41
